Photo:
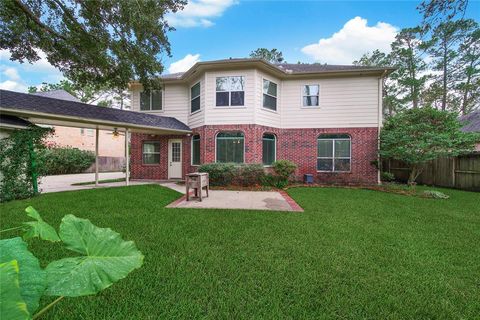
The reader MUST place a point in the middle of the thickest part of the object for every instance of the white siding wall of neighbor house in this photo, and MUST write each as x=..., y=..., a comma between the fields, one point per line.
x=344, y=102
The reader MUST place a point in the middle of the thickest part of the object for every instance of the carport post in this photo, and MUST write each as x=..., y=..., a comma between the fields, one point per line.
x=96, y=157
x=127, y=159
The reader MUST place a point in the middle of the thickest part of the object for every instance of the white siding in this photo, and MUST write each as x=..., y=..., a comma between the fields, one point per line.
x=197, y=119
x=263, y=116
x=229, y=115
x=344, y=102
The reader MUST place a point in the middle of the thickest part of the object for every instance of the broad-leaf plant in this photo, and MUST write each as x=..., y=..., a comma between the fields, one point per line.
x=103, y=258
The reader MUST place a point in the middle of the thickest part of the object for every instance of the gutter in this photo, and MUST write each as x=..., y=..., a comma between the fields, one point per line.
x=380, y=121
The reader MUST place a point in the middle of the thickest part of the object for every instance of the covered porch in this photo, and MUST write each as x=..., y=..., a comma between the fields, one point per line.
x=55, y=112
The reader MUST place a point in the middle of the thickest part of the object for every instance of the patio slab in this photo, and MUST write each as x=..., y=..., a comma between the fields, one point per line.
x=249, y=200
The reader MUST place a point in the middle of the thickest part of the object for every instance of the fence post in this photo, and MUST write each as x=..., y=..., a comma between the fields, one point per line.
x=454, y=184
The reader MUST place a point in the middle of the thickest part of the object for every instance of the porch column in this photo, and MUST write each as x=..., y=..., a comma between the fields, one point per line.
x=96, y=157
x=127, y=159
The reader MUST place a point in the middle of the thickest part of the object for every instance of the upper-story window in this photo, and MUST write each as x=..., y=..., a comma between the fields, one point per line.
x=269, y=94
x=230, y=91
x=311, y=95
x=151, y=100
x=333, y=152
x=195, y=97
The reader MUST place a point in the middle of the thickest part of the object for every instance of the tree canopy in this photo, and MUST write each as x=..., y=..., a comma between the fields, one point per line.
x=273, y=55
x=104, y=42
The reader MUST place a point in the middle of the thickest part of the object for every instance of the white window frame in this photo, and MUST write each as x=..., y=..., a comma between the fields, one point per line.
x=150, y=110
x=274, y=149
x=191, y=151
x=143, y=153
x=333, y=154
x=244, y=144
x=199, y=96
x=276, y=97
x=230, y=92
x=302, y=95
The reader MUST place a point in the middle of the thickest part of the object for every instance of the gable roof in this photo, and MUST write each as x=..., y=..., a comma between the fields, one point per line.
x=12, y=122
x=471, y=121
x=57, y=94
x=28, y=105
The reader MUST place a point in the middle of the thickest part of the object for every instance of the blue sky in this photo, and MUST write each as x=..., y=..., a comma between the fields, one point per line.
x=307, y=31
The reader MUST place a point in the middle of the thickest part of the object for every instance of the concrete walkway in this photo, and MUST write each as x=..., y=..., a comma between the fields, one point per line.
x=249, y=200
x=64, y=182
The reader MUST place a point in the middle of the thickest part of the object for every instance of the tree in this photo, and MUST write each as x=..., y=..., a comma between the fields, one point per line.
x=92, y=42
x=443, y=50
x=407, y=55
x=273, y=56
x=416, y=136
x=390, y=92
x=441, y=10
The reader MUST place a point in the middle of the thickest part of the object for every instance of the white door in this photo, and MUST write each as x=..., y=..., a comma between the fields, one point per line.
x=174, y=159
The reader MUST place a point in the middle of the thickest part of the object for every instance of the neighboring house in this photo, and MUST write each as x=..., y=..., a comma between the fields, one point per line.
x=325, y=118
x=82, y=138
x=472, y=124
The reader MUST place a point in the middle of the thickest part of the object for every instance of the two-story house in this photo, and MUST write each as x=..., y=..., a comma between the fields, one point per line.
x=325, y=118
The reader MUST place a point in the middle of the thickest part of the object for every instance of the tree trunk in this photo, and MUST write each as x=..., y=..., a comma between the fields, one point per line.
x=414, y=173
x=444, y=93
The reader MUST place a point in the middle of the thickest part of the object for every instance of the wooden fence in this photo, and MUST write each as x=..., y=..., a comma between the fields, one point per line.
x=108, y=164
x=461, y=172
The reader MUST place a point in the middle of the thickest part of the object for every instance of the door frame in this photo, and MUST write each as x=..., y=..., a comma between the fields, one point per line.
x=170, y=141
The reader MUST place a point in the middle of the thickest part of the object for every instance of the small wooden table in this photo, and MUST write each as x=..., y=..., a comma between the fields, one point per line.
x=197, y=181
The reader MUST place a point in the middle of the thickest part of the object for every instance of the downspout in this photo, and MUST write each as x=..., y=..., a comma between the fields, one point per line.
x=380, y=122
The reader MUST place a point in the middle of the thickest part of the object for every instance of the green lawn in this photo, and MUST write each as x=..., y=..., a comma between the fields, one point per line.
x=353, y=254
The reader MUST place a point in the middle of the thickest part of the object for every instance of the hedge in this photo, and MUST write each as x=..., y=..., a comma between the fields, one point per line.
x=65, y=160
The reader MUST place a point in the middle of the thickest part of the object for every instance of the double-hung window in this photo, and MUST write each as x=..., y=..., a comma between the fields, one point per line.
x=230, y=91
x=230, y=147
x=334, y=152
x=151, y=100
x=269, y=94
x=151, y=152
x=196, y=150
x=195, y=98
x=268, y=149
x=311, y=94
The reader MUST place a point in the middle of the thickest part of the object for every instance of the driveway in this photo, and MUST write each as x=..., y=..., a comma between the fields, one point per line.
x=64, y=182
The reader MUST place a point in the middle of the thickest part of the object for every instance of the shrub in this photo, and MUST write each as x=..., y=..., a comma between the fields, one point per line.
x=249, y=174
x=284, y=168
x=220, y=174
x=435, y=194
x=387, y=176
x=65, y=160
x=275, y=181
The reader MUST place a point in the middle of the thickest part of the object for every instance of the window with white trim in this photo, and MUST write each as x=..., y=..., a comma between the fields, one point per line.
x=230, y=91
x=151, y=152
x=311, y=95
x=195, y=98
x=334, y=152
x=151, y=100
x=230, y=147
x=268, y=149
x=269, y=94
x=196, y=150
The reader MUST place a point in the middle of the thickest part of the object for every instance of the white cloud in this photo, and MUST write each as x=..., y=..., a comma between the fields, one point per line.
x=11, y=73
x=198, y=13
x=352, y=41
x=184, y=64
x=13, y=86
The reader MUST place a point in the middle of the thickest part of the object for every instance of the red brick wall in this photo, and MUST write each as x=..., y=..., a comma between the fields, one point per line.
x=297, y=145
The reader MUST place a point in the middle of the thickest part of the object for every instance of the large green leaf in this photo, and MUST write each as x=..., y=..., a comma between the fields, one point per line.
x=31, y=277
x=39, y=228
x=12, y=306
x=107, y=259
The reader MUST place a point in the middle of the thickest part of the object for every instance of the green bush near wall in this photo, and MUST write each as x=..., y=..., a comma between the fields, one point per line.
x=65, y=160
x=224, y=174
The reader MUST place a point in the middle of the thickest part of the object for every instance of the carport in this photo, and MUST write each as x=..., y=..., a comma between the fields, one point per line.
x=49, y=111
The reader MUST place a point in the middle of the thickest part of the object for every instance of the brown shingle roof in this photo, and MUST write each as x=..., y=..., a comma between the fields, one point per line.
x=471, y=121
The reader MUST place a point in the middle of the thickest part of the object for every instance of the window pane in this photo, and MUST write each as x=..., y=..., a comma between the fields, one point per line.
x=144, y=100
x=342, y=164
x=311, y=101
x=222, y=99
x=196, y=150
x=342, y=148
x=310, y=90
x=150, y=147
x=195, y=90
x=269, y=102
x=157, y=100
x=334, y=136
x=236, y=84
x=325, y=148
x=223, y=84
x=230, y=147
x=324, y=164
x=151, y=158
x=268, y=152
x=195, y=104
x=237, y=98
x=269, y=87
